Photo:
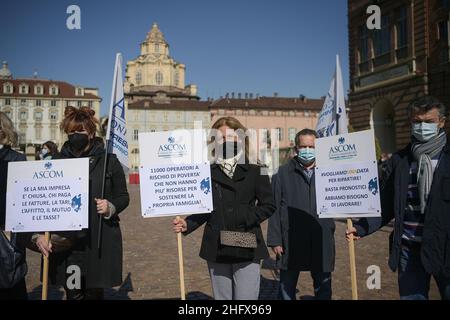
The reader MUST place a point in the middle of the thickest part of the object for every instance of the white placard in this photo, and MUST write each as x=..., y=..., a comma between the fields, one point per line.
x=175, y=189
x=174, y=174
x=346, y=176
x=50, y=195
x=350, y=190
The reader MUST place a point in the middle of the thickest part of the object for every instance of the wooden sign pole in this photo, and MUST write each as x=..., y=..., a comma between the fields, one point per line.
x=45, y=271
x=351, y=250
x=180, y=264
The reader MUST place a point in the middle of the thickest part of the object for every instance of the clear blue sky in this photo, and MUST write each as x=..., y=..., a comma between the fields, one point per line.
x=258, y=46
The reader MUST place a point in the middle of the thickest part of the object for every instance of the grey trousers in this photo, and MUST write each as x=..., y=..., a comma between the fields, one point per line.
x=237, y=281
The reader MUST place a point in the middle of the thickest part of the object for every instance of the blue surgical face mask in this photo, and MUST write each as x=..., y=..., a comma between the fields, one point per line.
x=424, y=131
x=306, y=155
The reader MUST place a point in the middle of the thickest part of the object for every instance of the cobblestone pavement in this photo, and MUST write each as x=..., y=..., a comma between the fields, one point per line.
x=151, y=264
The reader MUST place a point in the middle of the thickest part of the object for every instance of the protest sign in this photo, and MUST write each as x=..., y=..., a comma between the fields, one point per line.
x=347, y=183
x=47, y=195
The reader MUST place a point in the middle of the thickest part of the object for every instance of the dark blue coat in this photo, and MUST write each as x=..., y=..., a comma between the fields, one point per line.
x=308, y=241
x=435, y=248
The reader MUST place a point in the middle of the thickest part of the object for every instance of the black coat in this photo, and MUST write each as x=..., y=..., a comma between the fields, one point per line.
x=239, y=204
x=6, y=155
x=104, y=271
x=435, y=248
x=307, y=241
x=9, y=155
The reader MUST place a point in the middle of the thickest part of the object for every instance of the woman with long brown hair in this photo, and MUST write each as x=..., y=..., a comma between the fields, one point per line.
x=99, y=269
x=233, y=244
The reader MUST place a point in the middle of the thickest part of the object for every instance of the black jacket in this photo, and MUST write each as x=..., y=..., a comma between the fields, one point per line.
x=104, y=271
x=20, y=240
x=240, y=204
x=435, y=248
x=6, y=155
x=307, y=241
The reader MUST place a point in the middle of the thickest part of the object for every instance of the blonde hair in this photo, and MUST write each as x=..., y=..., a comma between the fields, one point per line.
x=234, y=124
x=9, y=134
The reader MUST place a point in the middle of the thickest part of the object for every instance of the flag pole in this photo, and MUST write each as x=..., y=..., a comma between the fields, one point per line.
x=100, y=218
x=351, y=242
x=107, y=142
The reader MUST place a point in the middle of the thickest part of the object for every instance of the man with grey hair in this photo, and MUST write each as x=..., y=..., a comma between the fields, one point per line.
x=300, y=240
x=415, y=191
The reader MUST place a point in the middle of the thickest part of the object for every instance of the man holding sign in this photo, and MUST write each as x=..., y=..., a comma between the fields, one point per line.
x=415, y=191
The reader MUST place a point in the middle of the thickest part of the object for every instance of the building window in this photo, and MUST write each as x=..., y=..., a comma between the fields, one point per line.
x=382, y=38
x=78, y=104
x=135, y=134
x=38, y=90
x=53, y=115
x=38, y=103
x=157, y=48
x=159, y=77
x=138, y=77
x=38, y=116
x=90, y=104
x=7, y=88
x=402, y=27
x=23, y=102
x=54, y=91
x=279, y=133
x=79, y=92
x=23, y=115
x=363, y=44
x=7, y=102
x=23, y=89
x=292, y=132
x=8, y=113
x=53, y=103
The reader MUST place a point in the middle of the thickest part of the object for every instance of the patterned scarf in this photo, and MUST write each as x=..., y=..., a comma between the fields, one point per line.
x=423, y=152
x=229, y=165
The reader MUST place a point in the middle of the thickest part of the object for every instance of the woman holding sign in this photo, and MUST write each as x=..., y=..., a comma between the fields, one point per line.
x=12, y=284
x=95, y=269
x=233, y=244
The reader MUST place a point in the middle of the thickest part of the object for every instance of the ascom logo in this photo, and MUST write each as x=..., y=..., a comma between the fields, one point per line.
x=48, y=173
x=342, y=150
x=171, y=149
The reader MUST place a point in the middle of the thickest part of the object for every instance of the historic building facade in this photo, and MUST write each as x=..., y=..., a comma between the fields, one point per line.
x=407, y=58
x=36, y=106
x=284, y=115
x=156, y=97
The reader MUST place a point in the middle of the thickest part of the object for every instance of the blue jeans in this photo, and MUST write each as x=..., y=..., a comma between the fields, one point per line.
x=414, y=281
x=289, y=279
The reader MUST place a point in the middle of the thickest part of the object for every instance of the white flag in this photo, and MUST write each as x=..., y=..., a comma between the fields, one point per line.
x=332, y=118
x=116, y=134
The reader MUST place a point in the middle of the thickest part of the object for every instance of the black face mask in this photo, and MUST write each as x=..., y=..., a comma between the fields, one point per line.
x=78, y=141
x=230, y=149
